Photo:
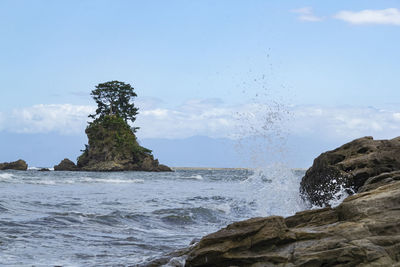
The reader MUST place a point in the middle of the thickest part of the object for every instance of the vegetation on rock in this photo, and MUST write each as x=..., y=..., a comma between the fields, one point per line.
x=112, y=142
x=115, y=98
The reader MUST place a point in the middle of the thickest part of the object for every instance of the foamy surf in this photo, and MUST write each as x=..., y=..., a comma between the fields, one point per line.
x=6, y=176
x=193, y=177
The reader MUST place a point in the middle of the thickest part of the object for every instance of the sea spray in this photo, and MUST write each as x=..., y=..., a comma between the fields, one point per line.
x=261, y=132
x=275, y=191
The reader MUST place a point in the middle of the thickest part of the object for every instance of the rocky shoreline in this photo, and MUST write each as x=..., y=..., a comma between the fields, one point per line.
x=149, y=165
x=364, y=230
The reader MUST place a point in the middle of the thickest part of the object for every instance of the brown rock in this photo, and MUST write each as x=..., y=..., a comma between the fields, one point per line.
x=362, y=231
x=15, y=165
x=66, y=165
x=349, y=166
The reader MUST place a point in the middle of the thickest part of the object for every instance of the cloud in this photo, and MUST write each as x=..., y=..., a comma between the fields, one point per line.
x=61, y=118
x=389, y=16
x=213, y=118
x=347, y=122
x=306, y=14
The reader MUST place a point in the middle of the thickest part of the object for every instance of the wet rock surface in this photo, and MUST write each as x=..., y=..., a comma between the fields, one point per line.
x=349, y=166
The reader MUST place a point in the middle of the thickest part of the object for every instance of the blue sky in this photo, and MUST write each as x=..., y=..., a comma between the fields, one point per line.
x=332, y=67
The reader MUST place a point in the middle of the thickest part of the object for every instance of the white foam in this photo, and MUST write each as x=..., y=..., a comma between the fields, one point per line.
x=339, y=196
x=33, y=168
x=6, y=176
x=113, y=181
x=194, y=177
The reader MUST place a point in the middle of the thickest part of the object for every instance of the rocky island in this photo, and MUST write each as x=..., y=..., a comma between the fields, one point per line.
x=113, y=145
x=364, y=230
x=19, y=165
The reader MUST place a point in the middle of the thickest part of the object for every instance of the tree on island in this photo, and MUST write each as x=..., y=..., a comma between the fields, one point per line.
x=112, y=142
x=115, y=98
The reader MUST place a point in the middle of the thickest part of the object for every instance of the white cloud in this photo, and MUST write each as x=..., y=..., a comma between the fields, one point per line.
x=389, y=16
x=61, y=118
x=345, y=122
x=213, y=118
x=306, y=14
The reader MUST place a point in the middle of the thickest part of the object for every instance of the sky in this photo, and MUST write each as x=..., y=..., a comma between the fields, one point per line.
x=301, y=76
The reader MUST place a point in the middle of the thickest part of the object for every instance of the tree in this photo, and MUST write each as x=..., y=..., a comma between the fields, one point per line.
x=115, y=98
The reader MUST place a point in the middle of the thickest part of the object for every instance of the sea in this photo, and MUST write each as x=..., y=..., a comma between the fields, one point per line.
x=130, y=218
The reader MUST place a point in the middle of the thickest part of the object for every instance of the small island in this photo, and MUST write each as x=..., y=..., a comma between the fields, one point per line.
x=113, y=145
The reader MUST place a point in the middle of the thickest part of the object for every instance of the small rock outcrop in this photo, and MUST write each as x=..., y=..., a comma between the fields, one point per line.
x=15, y=165
x=349, y=166
x=113, y=147
x=66, y=165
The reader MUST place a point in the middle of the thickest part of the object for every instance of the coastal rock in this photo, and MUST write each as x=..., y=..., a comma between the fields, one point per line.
x=362, y=231
x=15, y=165
x=66, y=165
x=113, y=147
x=349, y=166
x=44, y=170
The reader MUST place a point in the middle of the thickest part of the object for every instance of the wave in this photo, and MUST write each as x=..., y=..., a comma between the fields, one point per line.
x=6, y=176
x=193, y=177
x=113, y=181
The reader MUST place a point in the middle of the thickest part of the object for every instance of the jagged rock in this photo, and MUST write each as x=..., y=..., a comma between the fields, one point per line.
x=362, y=231
x=349, y=166
x=44, y=170
x=113, y=147
x=66, y=165
x=15, y=165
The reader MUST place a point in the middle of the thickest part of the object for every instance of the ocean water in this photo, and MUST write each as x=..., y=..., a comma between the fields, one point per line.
x=128, y=218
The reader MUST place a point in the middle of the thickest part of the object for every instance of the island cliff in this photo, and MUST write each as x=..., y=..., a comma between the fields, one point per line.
x=113, y=147
x=364, y=230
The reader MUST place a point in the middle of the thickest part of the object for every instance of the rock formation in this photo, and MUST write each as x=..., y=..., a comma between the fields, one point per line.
x=349, y=166
x=15, y=165
x=364, y=230
x=113, y=147
x=66, y=165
